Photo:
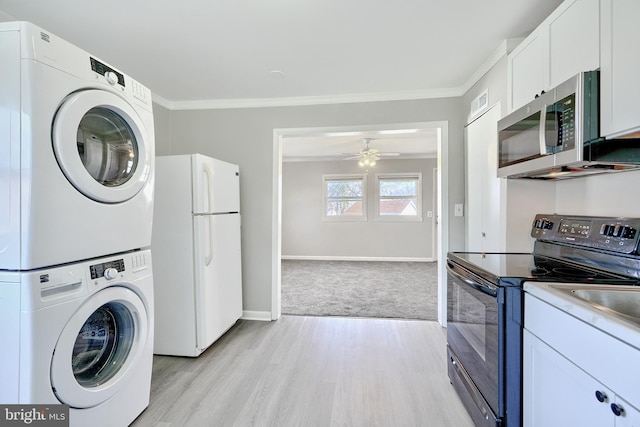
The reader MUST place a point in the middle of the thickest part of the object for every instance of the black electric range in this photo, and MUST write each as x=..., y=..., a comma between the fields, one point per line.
x=485, y=303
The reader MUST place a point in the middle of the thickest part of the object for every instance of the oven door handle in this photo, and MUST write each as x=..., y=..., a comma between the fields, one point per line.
x=486, y=288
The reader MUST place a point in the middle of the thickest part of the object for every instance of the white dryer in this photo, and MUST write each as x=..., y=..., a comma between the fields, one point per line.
x=76, y=153
x=82, y=335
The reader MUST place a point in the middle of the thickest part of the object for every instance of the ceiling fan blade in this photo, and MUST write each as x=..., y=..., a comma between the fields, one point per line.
x=388, y=154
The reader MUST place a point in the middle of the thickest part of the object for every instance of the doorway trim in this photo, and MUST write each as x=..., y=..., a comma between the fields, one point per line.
x=442, y=208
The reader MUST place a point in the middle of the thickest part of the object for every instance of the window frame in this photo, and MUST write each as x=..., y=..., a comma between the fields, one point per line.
x=413, y=176
x=325, y=197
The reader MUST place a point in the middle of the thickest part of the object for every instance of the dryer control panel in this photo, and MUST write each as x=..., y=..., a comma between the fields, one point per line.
x=107, y=71
x=99, y=270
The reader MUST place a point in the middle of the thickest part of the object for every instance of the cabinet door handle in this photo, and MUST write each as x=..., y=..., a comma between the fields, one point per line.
x=617, y=410
x=600, y=396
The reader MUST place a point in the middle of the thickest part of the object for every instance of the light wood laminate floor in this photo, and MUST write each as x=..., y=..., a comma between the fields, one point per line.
x=310, y=371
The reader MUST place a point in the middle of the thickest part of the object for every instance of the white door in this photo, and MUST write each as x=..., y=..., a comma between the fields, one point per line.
x=100, y=144
x=485, y=191
x=100, y=344
x=218, y=276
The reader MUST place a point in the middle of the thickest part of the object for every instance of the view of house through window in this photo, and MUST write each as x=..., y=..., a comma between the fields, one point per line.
x=399, y=196
x=345, y=196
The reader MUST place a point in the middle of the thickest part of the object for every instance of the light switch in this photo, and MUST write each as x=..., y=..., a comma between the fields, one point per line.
x=458, y=209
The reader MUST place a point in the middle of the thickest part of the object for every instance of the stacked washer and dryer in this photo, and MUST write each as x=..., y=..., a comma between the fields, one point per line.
x=76, y=208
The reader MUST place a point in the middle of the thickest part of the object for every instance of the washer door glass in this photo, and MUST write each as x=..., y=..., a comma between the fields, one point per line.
x=107, y=147
x=101, y=146
x=103, y=344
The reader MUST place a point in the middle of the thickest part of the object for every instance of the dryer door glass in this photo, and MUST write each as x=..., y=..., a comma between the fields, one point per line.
x=102, y=145
x=107, y=147
x=102, y=345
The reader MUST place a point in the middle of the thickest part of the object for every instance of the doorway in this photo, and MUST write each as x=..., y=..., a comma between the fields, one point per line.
x=282, y=136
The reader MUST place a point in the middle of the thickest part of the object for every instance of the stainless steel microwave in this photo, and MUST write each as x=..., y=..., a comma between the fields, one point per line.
x=557, y=135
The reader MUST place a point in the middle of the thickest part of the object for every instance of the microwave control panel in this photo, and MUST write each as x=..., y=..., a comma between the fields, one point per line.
x=566, y=115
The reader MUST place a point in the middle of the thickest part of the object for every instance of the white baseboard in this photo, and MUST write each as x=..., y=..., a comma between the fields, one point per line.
x=264, y=316
x=352, y=258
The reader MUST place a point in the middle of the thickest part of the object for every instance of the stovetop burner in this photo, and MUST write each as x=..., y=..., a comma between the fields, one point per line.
x=545, y=267
x=572, y=272
x=539, y=271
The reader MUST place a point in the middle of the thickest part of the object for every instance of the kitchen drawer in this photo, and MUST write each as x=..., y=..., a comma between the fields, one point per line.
x=604, y=357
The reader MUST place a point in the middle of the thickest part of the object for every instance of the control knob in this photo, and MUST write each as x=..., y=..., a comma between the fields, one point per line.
x=543, y=224
x=112, y=78
x=110, y=273
x=622, y=231
x=628, y=232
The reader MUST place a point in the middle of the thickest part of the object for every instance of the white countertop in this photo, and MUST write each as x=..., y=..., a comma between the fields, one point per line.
x=604, y=320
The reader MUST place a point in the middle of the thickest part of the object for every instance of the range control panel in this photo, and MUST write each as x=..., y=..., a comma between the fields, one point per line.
x=611, y=234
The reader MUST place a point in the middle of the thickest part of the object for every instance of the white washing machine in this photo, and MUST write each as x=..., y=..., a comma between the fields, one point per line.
x=80, y=334
x=76, y=153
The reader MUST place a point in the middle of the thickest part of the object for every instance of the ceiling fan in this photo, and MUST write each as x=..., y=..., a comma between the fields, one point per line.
x=369, y=156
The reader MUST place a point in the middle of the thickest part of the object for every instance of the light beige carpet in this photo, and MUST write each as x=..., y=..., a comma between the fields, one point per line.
x=402, y=290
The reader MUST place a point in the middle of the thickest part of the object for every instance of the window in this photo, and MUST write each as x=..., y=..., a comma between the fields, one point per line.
x=345, y=197
x=399, y=197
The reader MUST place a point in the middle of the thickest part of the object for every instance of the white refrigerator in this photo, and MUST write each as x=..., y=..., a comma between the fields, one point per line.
x=196, y=252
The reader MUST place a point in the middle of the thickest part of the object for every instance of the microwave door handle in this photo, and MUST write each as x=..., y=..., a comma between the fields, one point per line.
x=543, y=127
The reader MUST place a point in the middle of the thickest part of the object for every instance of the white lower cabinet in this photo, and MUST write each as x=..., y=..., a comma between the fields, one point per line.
x=558, y=393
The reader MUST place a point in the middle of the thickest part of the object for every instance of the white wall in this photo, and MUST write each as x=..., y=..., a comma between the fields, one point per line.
x=162, y=127
x=5, y=17
x=306, y=234
x=245, y=137
x=614, y=194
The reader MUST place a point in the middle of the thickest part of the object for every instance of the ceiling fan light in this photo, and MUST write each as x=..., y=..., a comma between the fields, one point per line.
x=361, y=163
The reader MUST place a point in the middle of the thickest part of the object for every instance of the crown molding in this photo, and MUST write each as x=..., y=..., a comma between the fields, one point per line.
x=503, y=49
x=223, y=104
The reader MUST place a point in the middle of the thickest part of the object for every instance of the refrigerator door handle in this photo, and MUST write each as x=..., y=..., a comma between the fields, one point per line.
x=209, y=257
x=208, y=172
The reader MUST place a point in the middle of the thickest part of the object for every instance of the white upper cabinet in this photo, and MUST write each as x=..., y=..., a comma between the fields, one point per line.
x=526, y=68
x=620, y=70
x=574, y=40
x=566, y=43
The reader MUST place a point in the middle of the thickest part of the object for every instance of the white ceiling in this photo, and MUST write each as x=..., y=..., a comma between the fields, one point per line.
x=247, y=52
x=408, y=142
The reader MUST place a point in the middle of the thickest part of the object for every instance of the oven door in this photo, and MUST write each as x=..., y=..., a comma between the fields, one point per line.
x=473, y=342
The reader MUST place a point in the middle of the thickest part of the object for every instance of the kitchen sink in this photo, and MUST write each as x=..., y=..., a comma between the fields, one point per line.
x=622, y=302
x=625, y=302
